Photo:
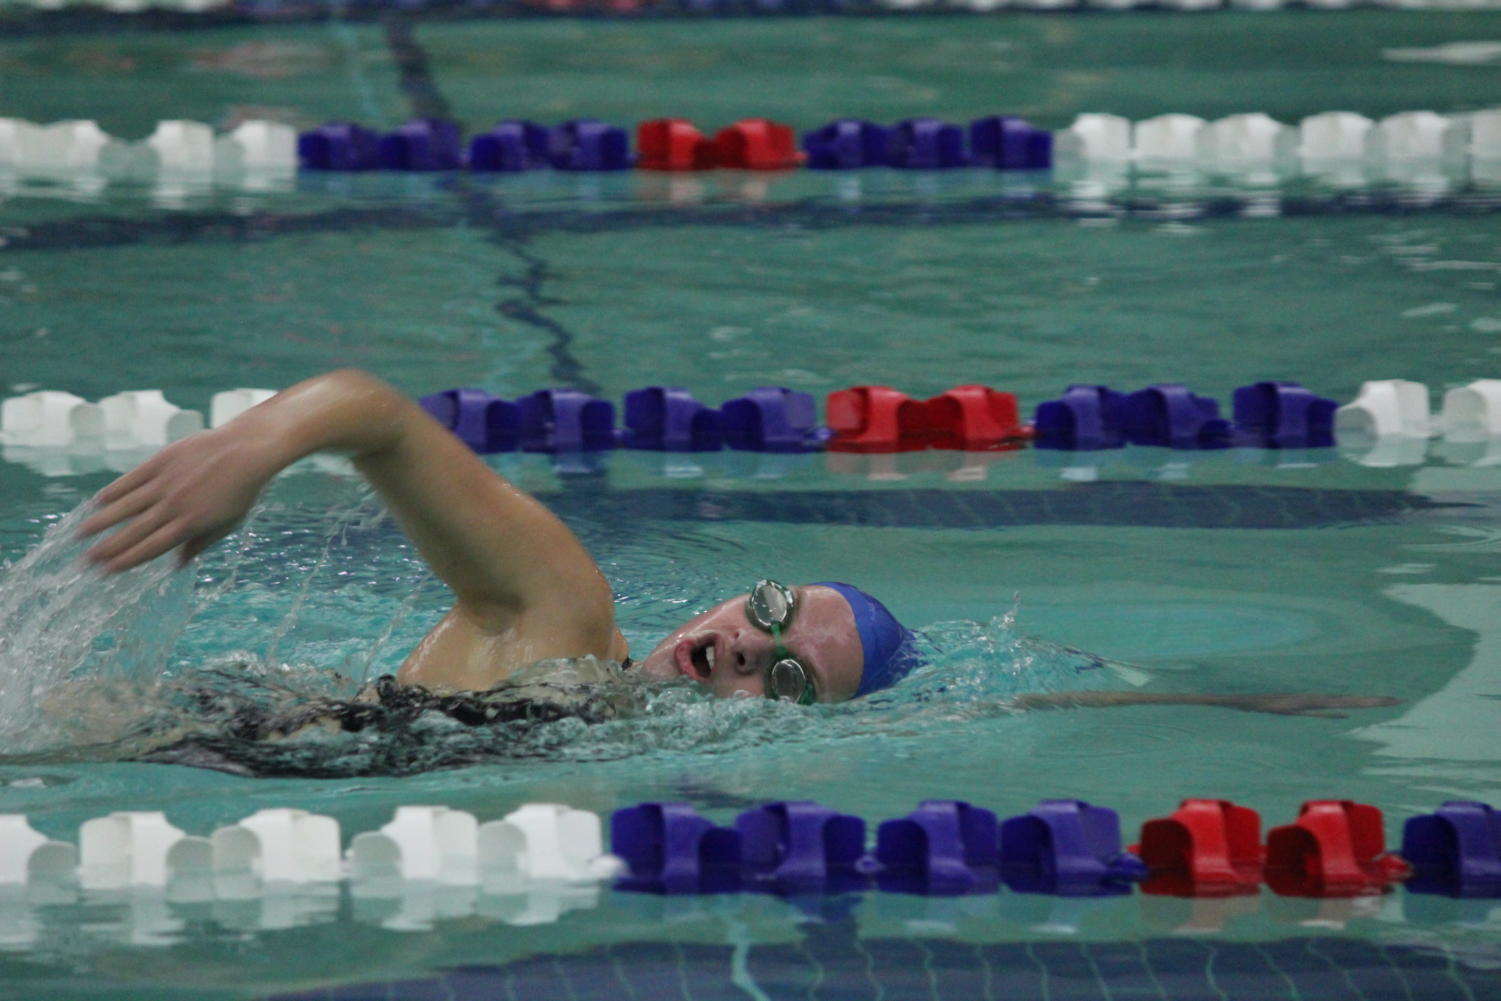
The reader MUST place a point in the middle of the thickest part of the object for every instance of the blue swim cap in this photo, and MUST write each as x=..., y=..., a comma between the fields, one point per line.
x=889, y=647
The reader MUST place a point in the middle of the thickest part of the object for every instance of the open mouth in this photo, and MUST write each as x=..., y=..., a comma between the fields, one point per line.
x=699, y=662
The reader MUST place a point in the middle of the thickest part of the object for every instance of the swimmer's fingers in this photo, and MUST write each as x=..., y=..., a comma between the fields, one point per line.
x=129, y=495
x=112, y=553
x=117, y=509
x=143, y=540
x=129, y=481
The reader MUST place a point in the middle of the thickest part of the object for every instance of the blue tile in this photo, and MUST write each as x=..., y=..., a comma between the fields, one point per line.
x=652, y=970
x=1069, y=975
x=429, y=989
x=832, y=964
x=781, y=969
x=359, y=992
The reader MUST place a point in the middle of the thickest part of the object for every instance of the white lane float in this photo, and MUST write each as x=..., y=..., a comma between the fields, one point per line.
x=137, y=848
x=50, y=419
x=1167, y=138
x=1095, y=137
x=1386, y=408
x=1238, y=141
x=145, y=417
x=1415, y=135
x=227, y=405
x=1334, y=135
x=27, y=856
x=420, y=843
x=279, y=846
x=256, y=147
x=1471, y=412
x=547, y=841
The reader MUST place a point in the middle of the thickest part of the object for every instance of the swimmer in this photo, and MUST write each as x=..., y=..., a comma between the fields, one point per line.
x=525, y=588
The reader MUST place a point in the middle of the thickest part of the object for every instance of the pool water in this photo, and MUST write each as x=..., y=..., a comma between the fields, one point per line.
x=1239, y=571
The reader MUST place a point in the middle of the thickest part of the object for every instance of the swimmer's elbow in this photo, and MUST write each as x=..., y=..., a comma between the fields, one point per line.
x=345, y=410
x=353, y=384
x=378, y=415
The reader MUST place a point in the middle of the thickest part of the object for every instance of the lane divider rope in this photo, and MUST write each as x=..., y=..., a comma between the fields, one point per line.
x=1388, y=423
x=1341, y=144
x=1206, y=847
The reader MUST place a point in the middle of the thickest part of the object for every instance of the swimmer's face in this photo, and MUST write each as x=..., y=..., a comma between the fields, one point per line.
x=724, y=651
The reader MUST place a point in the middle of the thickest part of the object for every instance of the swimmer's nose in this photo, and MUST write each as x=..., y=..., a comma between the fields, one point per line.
x=751, y=653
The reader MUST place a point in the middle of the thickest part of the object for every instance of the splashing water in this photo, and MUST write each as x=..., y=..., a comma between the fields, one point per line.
x=62, y=620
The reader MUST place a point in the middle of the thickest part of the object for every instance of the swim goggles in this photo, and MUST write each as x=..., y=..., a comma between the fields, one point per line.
x=769, y=607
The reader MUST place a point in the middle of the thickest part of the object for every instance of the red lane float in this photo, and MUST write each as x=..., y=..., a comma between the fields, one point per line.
x=976, y=419
x=1334, y=849
x=673, y=144
x=757, y=144
x=1207, y=848
x=1212, y=848
x=676, y=144
x=875, y=419
x=882, y=419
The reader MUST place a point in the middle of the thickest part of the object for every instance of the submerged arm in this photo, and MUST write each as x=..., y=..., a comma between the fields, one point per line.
x=526, y=588
x=1281, y=704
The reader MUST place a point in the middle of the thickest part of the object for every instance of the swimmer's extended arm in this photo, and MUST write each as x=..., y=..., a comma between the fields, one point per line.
x=526, y=587
x=1292, y=704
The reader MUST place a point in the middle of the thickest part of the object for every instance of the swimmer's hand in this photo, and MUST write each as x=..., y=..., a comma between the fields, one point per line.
x=185, y=497
x=1282, y=704
x=525, y=587
x=194, y=492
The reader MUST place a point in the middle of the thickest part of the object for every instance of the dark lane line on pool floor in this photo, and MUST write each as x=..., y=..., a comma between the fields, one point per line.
x=1125, y=503
x=831, y=960
x=566, y=369
x=483, y=209
x=413, y=67
x=814, y=213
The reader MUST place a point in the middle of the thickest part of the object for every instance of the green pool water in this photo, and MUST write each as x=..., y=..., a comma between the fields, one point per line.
x=1239, y=571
